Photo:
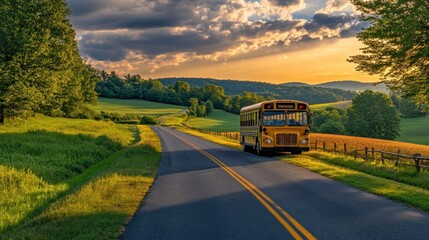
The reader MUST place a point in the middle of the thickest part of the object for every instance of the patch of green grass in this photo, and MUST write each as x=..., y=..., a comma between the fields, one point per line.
x=342, y=169
x=414, y=130
x=53, y=157
x=38, y=156
x=217, y=121
x=135, y=106
x=117, y=133
x=99, y=201
x=172, y=120
x=341, y=104
x=216, y=139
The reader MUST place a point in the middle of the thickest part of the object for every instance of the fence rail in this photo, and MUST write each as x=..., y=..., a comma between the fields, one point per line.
x=416, y=160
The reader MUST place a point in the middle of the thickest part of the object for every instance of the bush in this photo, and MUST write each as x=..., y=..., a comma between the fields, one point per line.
x=148, y=120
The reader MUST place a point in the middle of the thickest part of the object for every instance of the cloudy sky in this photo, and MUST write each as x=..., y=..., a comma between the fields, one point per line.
x=262, y=40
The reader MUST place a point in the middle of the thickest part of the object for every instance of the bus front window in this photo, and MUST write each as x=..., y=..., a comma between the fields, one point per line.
x=297, y=118
x=274, y=118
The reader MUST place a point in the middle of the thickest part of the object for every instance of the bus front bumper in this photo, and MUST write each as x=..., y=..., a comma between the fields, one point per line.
x=286, y=149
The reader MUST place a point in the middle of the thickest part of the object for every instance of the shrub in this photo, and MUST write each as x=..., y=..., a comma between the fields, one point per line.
x=148, y=120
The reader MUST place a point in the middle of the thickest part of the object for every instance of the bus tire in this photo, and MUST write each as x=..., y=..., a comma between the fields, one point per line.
x=296, y=152
x=258, y=148
x=244, y=148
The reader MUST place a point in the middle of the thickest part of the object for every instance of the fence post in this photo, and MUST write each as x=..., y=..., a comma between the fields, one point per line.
x=335, y=147
x=355, y=154
x=382, y=157
x=315, y=146
x=372, y=153
x=324, y=146
x=366, y=153
x=397, y=158
x=417, y=161
x=345, y=148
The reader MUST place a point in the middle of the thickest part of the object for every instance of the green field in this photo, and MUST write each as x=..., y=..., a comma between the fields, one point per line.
x=133, y=106
x=415, y=130
x=341, y=104
x=59, y=176
x=218, y=121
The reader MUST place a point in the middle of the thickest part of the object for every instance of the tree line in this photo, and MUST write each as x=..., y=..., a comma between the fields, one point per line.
x=201, y=100
x=310, y=94
x=371, y=114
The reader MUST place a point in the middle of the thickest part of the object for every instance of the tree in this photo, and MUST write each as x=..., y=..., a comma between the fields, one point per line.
x=209, y=107
x=214, y=93
x=40, y=66
x=373, y=115
x=183, y=89
x=409, y=109
x=328, y=120
x=193, y=106
x=397, y=45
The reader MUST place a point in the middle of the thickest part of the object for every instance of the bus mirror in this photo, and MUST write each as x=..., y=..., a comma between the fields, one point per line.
x=260, y=128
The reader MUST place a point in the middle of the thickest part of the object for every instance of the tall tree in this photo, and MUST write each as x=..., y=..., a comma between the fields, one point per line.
x=40, y=66
x=397, y=44
x=373, y=114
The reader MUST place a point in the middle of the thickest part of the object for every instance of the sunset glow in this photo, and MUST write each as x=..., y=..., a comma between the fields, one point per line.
x=260, y=40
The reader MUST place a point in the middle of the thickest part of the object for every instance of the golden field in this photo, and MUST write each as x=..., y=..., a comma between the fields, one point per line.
x=359, y=143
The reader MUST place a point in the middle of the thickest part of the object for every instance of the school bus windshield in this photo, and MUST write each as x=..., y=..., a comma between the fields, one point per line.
x=280, y=118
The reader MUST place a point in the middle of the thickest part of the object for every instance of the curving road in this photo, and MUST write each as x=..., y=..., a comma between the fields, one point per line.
x=207, y=191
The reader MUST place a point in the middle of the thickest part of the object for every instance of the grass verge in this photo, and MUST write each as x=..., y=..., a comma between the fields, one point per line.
x=216, y=139
x=74, y=190
x=343, y=169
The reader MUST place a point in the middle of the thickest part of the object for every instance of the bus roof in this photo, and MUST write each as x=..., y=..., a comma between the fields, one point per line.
x=259, y=105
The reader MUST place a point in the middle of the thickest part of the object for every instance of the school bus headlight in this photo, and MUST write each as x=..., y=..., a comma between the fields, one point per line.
x=267, y=141
x=304, y=140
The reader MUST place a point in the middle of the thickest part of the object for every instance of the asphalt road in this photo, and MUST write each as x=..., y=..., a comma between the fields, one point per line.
x=207, y=191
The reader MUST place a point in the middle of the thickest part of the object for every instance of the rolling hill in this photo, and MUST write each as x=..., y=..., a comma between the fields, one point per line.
x=307, y=93
x=354, y=86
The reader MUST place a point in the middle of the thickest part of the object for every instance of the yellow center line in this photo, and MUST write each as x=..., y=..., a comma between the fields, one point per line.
x=266, y=201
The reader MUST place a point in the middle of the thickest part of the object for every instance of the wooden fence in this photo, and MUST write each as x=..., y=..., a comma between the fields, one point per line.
x=398, y=159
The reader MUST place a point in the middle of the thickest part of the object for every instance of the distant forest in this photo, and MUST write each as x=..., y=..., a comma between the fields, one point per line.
x=306, y=93
x=228, y=95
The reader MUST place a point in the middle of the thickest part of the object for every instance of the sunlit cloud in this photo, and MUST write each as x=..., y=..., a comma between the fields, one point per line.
x=147, y=35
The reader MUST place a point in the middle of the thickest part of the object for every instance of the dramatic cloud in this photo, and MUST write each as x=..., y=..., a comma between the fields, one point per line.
x=155, y=33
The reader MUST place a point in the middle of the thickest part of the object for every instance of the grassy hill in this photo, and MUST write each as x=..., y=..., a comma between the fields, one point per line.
x=135, y=106
x=354, y=86
x=218, y=121
x=415, y=130
x=341, y=104
x=59, y=176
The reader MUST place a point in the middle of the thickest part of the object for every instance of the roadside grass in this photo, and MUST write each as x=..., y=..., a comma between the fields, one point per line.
x=101, y=206
x=217, y=121
x=413, y=130
x=36, y=160
x=216, y=139
x=135, y=106
x=59, y=176
x=172, y=119
x=407, y=187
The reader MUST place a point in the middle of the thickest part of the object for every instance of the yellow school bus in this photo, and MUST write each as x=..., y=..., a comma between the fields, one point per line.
x=275, y=126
